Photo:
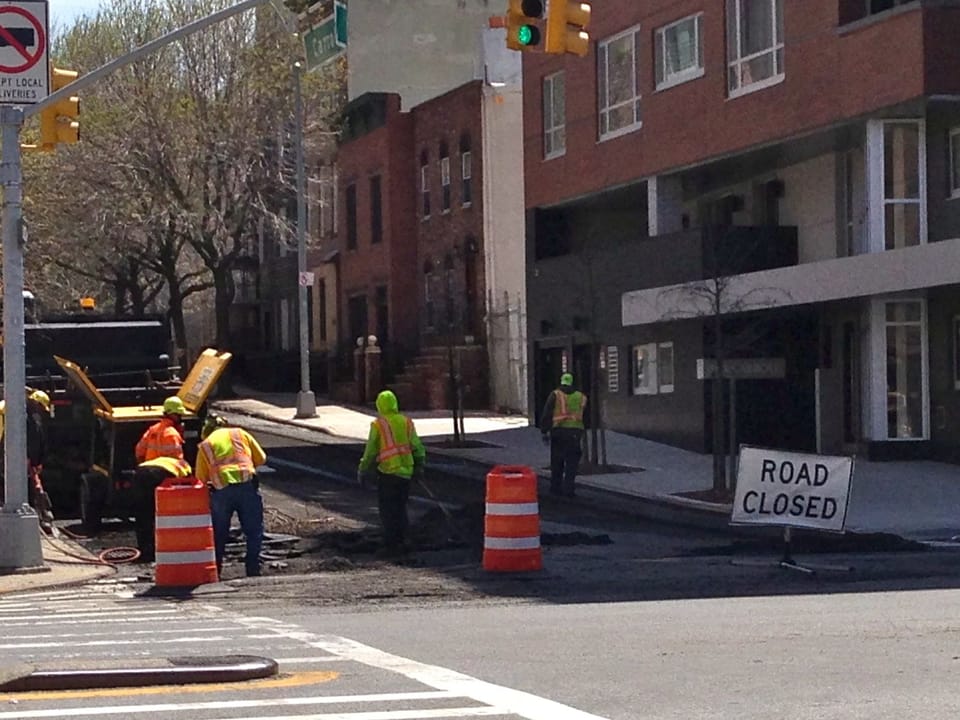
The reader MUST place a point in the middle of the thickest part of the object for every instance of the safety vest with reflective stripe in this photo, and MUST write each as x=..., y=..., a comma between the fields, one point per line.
x=161, y=439
x=393, y=445
x=227, y=456
x=568, y=409
x=177, y=467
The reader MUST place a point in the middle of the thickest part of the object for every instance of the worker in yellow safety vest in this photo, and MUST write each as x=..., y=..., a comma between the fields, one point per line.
x=227, y=460
x=39, y=409
x=561, y=423
x=395, y=448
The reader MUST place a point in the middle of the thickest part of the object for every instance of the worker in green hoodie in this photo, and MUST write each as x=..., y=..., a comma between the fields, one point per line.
x=394, y=447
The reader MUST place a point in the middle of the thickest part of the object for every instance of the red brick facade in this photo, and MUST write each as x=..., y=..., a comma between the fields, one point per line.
x=832, y=72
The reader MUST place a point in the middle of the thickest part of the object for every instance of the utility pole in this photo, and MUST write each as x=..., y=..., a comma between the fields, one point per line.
x=306, y=402
x=19, y=528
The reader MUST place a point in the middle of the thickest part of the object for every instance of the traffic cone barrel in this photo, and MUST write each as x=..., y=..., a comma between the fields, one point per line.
x=511, y=537
x=184, y=534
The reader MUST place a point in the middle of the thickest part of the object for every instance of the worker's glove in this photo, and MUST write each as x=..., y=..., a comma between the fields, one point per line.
x=363, y=478
x=545, y=438
x=419, y=472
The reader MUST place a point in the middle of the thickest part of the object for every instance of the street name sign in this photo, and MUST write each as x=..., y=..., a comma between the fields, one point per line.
x=790, y=489
x=326, y=40
x=24, y=59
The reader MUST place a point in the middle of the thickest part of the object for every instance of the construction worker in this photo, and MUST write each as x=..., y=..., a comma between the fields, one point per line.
x=39, y=410
x=561, y=424
x=399, y=455
x=227, y=460
x=160, y=456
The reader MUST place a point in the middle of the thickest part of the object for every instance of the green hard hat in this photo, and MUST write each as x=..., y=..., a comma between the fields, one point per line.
x=566, y=379
x=174, y=406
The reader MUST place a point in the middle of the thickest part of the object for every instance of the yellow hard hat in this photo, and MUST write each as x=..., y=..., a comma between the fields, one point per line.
x=41, y=397
x=173, y=405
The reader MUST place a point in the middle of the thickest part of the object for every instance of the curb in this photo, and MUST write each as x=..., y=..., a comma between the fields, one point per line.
x=170, y=671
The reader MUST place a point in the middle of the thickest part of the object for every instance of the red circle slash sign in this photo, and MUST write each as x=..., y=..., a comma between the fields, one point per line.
x=29, y=59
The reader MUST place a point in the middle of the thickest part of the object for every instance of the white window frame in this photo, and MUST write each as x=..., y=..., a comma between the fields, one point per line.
x=664, y=79
x=445, y=199
x=736, y=60
x=647, y=383
x=876, y=185
x=466, y=175
x=661, y=365
x=956, y=352
x=878, y=367
x=603, y=106
x=554, y=128
x=953, y=145
x=425, y=189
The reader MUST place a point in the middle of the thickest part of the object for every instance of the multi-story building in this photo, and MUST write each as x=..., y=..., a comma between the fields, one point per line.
x=767, y=179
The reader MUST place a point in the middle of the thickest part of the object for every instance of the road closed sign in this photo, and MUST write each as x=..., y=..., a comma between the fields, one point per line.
x=792, y=489
x=24, y=65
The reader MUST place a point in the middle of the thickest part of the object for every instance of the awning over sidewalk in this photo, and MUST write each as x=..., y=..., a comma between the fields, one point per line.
x=892, y=271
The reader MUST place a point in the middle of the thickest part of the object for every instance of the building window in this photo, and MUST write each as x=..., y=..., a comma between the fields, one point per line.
x=644, y=369
x=665, y=366
x=554, y=116
x=618, y=83
x=322, y=318
x=879, y=6
x=955, y=162
x=444, y=179
x=425, y=184
x=466, y=171
x=904, y=324
x=351, y=217
x=327, y=201
x=376, y=211
x=679, y=51
x=754, y=44
x=428, y=309
x=902, y=163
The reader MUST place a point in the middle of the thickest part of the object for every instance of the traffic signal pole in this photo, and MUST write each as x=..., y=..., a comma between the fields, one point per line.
x=19, y=527
x=306, y=401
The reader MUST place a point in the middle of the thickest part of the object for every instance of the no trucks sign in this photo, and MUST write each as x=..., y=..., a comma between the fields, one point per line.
x=792, y=489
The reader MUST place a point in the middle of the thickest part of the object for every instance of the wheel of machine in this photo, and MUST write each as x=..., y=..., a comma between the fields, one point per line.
x=92, y=498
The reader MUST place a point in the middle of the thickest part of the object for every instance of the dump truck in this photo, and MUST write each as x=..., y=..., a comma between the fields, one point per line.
x=105, y=484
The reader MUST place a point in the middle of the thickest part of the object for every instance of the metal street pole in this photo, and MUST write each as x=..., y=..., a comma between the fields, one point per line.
x=19, y=527
x=306, y=402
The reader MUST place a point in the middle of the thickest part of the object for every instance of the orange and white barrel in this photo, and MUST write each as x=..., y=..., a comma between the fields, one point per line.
x=511, y=537
x=184, y=534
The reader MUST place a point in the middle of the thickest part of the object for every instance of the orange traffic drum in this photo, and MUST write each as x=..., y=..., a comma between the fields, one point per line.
x=511, y=537
x=184, y=534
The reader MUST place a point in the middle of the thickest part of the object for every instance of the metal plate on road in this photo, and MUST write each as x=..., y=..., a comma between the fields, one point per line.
x=24, y=59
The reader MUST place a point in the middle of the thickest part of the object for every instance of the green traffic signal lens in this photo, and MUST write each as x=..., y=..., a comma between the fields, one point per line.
x=528, y=35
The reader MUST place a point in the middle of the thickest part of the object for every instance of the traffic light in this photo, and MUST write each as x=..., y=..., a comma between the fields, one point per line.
x=567, y=23
x=60, y=122
x=522, y=33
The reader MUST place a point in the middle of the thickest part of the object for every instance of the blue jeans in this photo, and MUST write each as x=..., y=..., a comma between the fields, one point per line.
x=245, y=500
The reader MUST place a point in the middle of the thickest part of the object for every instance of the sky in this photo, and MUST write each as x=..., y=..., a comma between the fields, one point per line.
x=64, y=12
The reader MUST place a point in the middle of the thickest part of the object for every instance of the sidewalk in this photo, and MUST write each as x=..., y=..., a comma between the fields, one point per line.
x=65, y=563
x=918, y=500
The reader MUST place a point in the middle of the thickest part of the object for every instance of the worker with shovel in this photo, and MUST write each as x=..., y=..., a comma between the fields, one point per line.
x=394, y=446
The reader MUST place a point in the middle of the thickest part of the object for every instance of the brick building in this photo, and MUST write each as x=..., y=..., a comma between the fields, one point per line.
x=411, y=243
x=797, y=164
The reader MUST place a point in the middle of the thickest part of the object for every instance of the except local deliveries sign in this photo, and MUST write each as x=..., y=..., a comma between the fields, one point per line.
x=24, y=66
x=792, y=489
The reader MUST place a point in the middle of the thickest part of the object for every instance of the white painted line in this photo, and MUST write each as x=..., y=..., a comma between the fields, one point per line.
x=116, y=633
x=433, y=714
x=100, y=643
x=457, y=684
x=98, y=619
x=308, y=660
x=227, y=705
x=112, y=611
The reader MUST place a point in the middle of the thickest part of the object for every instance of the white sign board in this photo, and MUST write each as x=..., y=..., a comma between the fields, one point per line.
x=306, y=279
x=792, y=489
x=24, y=62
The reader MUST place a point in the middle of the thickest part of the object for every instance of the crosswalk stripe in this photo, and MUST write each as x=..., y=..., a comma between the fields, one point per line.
x=229, y=705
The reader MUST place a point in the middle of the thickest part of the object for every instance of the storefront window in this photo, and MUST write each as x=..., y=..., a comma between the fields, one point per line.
x=904, y=345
